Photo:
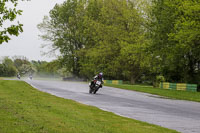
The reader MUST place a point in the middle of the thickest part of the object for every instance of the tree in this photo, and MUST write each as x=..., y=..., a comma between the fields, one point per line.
x=9, y=14
x=64, y=29
x=95, y=35
x=23, y=65
x=47, y=69
x=7, y=68
x=175, y=38
x=186, y=34
x=117, y=40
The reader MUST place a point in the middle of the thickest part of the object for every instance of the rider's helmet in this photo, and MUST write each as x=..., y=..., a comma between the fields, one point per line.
x=100, y=74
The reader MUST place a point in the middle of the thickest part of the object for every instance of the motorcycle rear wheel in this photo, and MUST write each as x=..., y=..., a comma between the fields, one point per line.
x=95, y=91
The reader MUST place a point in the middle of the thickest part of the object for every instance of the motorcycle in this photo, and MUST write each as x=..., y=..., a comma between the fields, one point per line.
x=95, y=86
x=18, y=76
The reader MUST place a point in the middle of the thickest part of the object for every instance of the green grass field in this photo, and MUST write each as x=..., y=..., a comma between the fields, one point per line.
x=24, y=109
x=173, y=94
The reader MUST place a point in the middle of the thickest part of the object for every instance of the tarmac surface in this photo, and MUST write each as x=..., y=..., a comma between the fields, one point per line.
x=180, y=115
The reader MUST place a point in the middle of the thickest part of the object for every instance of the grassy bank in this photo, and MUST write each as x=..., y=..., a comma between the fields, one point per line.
x=25, y=109
x=174, y=94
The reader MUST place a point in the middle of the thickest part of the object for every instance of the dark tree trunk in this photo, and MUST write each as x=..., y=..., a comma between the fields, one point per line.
x=133, y=79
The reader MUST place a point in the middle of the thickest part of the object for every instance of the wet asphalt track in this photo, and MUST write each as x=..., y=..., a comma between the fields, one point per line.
x=183, y=116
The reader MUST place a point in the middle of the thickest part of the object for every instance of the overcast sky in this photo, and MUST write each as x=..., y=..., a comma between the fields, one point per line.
x=28, y=43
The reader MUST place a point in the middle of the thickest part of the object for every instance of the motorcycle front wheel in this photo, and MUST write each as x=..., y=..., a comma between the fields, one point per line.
x=95, y=91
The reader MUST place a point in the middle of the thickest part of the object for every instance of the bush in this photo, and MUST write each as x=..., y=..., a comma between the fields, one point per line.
x=158, y=80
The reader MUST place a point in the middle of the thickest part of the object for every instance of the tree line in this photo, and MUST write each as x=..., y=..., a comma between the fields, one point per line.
x=21, y=65
x=135, y=40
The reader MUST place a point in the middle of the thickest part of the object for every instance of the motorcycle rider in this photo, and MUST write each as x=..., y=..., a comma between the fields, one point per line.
x=30, y=76
x=18, y=76
x=98, y=77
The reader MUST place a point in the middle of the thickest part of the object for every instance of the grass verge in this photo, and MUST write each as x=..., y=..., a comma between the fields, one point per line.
x=173, y=94
x=25, y=109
